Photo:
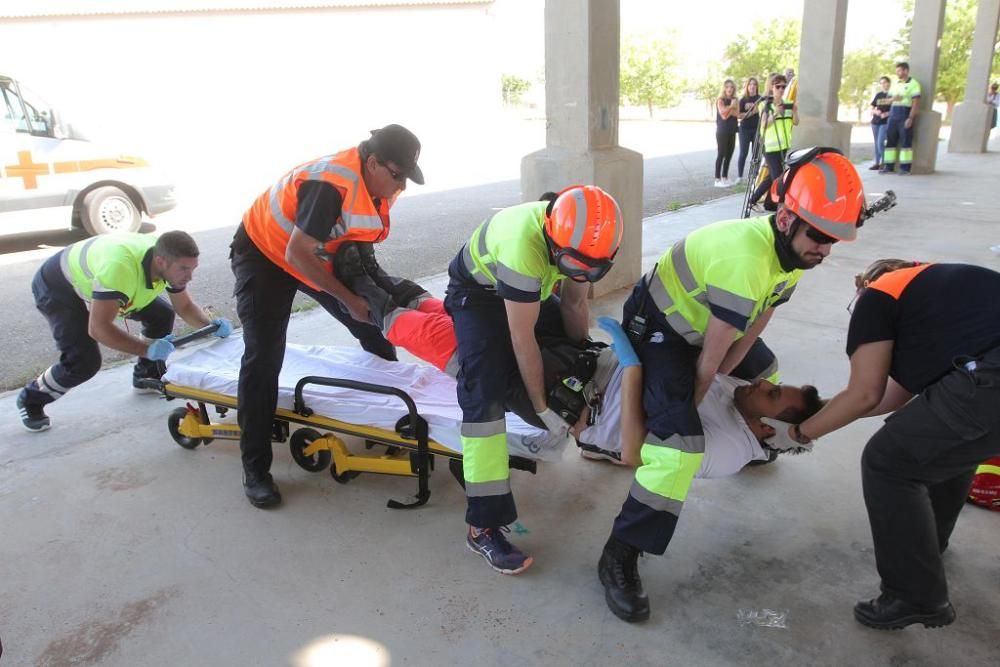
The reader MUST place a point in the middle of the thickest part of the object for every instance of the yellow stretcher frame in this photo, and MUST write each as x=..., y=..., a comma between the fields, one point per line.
x=410, y=452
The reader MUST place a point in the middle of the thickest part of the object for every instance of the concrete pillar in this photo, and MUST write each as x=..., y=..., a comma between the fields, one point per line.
x=581, y=105
x=925, y=44
x=970, y=126
x=821, y=59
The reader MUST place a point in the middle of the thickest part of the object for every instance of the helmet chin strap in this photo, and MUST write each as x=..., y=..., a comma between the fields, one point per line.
x=787, y=257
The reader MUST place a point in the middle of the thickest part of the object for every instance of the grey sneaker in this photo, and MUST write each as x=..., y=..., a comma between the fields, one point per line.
x=33, y=417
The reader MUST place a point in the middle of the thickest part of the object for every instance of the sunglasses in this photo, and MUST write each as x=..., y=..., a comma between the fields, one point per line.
x=819, y=237
x=780, y=85
x=578, y=267
x=396, y=175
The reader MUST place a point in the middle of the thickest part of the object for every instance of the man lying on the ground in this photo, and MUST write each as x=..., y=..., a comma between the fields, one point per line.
x=734, y=414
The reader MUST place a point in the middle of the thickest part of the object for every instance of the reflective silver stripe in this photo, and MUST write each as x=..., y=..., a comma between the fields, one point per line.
x=692, y=444
x=84, y=266
x=500, y=487
x=470, y=266
x=658, y=291
x=47, y=385
x=50, y=381
x=677, y=322
x=315, y=172
x=834, y=228
x=655, y=501
x=787, y=294
x=453, y=366
x=681, y=267
x=684, y=328
x=484, y=429
x=734, y=302
x=769, y=371
x=618, y=220
x=509, y=276
x=830, y=182
x=580, y=224
x=276, y=213
x=389, y=319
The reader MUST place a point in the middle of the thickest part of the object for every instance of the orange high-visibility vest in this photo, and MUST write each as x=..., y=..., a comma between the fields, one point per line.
x=269, y=222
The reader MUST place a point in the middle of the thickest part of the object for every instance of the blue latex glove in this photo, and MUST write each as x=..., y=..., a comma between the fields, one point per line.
x=619, y=341
x=225, y=327
x=160, y=349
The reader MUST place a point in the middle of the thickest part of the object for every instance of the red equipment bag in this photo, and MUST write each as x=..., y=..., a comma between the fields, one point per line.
x=985, y=490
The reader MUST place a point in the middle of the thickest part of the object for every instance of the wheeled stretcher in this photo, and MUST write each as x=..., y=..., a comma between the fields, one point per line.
x=326, y=393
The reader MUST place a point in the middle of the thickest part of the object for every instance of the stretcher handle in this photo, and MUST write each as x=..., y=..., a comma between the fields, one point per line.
x=300, y=404
x=206, y=330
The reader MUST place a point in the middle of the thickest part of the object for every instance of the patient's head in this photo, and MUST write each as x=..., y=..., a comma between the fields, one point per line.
x=783, y=402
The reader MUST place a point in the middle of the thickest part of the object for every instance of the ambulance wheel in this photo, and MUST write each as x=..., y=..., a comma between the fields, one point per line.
x=298, y=443
x=343, y=478
x=174, y=423
x=107, y=210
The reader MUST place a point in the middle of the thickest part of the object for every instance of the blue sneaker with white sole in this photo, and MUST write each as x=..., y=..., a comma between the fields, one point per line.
x=491, y=544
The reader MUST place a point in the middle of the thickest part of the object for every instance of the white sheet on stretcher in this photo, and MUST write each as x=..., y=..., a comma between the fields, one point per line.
x=216, y=368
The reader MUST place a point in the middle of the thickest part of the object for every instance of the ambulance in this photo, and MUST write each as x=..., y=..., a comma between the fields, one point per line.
x=53, y=176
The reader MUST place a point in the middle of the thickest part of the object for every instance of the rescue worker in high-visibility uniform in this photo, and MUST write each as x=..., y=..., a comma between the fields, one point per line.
x=905, y=95
x=83, y=289
x=925, y=346
x=500, y=288
x=699, y=312
x=777, y=117
x=284, y=245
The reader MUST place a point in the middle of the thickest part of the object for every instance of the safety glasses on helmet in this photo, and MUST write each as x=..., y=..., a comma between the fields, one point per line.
x=578, y=267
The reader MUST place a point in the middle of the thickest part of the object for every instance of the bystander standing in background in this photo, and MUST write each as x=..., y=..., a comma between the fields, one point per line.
x=993, y=97
x=880, y=120
x=749, y=122
x=726, y=126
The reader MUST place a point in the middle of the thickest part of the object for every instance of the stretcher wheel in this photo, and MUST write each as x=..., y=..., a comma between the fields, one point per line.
x=173, y=425
x=342, y=478
x=298, y=443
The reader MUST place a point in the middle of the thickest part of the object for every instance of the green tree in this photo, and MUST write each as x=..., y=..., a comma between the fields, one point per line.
x=955, y=51
x=649, y=73
x=512, y=88
x=769, y=47
x=859, y=82
x=708, y=89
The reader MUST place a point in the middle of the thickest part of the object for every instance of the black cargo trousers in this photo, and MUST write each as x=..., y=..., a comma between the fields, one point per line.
x=916, y=472
x=264, y=294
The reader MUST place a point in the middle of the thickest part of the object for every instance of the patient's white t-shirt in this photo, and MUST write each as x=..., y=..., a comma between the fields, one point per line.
x=729, y=442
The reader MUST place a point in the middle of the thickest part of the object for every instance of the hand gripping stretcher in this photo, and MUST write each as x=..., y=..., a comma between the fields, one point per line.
x=330, y=392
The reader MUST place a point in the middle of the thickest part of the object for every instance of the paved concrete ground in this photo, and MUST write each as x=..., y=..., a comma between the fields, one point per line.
x=120, y=548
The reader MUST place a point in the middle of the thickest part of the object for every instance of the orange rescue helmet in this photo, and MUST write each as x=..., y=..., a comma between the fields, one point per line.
x=586, y=219
x=823, y=188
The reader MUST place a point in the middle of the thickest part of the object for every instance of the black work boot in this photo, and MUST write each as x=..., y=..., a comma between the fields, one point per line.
x=887, y=612
x=618, y=570
x=261, y=490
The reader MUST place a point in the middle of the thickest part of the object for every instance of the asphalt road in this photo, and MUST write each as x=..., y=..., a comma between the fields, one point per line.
x=427, y=231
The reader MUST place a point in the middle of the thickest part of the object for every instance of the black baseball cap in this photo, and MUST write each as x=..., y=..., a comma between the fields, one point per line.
x=394, y=143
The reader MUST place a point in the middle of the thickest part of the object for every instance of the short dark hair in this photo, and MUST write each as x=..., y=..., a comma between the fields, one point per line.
x=884, y=78
x=812, y=404
x=175, y=245
x=903, y=63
